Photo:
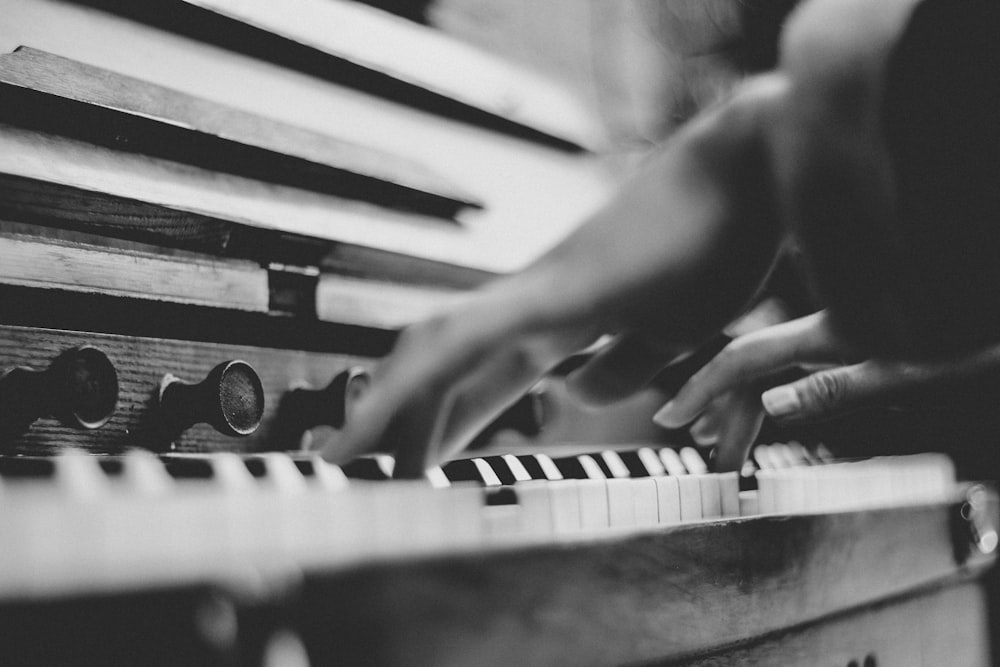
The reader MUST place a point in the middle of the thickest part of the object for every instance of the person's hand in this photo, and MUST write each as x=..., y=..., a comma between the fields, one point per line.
x=722, y=403
x=448, y=376
x=683, y=247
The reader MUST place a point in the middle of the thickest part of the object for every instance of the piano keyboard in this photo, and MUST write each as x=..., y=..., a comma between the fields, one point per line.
x=216, y=203
x=137, y=518
x=122, y=529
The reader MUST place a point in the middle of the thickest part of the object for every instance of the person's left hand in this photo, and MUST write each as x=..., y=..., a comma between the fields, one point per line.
x=723, y=405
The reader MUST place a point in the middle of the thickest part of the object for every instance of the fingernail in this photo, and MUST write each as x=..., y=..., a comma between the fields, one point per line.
x=665, y=416
x=781, y=401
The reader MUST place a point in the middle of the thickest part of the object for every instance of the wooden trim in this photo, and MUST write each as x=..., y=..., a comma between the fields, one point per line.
x=659, y=595
x=377, y=304
x=231, y=284
x=63, y=96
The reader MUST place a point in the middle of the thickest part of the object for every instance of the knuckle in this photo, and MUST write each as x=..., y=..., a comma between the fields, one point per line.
x=825, y=390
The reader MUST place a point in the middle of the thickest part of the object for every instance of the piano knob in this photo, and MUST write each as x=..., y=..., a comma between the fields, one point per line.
x=526, y=416
x=80, y=388
x=230, y=398
x=302, y=409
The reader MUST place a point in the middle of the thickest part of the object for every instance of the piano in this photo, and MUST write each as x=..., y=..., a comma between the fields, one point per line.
x=215, y=217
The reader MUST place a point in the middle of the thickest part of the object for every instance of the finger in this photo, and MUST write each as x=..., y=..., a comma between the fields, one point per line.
x=836, y=391
x=479, y=398
x=705, y=430
x=748, y=359
x=618, y=370
x=738, y=431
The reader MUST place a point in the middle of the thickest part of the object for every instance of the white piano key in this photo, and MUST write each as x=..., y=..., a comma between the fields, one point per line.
x=692, y=461
x=749, y=505
x=536, y=509
x=798, y=453
x=79, y=475
x=729, y=493
x=672, y=462
x=765, y=491
x=652, y=462
x=621, y=507
x=590, y=467
x=668, y=500
x=781, y=456
x=516, y=468
x=711, y=496
x=486, y=473
x=328, y=476
x=386, y=463
x=689, y=489
x=501, y=515
x=789, y=494
x=409, y=517
x=436, y=477
x=462, y=509
x=645, y=501
x=762, y=457
x=280, y=473
x=144, y=475
x=548, y=467
x=615, y=465
x=593, y=504
x=564, y=496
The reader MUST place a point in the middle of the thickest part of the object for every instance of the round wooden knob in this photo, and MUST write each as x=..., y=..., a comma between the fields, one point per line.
x=230, y=398
x=302, y=409
x=80, y=388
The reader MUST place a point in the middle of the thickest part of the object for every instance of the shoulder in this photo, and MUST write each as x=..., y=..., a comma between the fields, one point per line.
x=835, y=52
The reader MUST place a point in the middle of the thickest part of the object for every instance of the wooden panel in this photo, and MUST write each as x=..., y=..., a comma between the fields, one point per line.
x=941, y=627
x=230, y=284
x=141, y=364
x=380, y=53
x=63, y=96
x=66, y=162
x=534, y=195
x=667, y=594
x=377, y=304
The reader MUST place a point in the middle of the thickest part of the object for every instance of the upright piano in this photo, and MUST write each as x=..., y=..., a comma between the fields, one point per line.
x=215, y=217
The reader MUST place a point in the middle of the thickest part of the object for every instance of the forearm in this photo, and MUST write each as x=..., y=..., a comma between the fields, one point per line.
x=686, y=243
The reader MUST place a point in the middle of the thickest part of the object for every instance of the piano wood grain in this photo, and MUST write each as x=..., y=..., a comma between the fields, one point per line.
x=206, y=281
x=659, y=597
x=534, y=195
x=379, y=53
x=141, y=363
x=60, y=95
x=940, y=626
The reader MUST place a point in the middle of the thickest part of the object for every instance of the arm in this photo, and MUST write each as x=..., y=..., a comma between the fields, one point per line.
x=670, y=259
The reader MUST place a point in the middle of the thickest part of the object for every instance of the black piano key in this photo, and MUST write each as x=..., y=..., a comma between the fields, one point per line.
x=365, y=468
x=472, y=470
x=502, y=469
x=635, y=465
x=573, y=467
x=112, y=466
x=503, y=495
x=256, y=467
x=188, y=467
x=532, y=465
x=602, y=464
x=27, y=467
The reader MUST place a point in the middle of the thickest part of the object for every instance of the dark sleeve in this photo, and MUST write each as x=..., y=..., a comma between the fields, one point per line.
x=941, y=124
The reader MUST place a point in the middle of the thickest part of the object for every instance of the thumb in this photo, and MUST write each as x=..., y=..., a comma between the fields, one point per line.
x=830, y=393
